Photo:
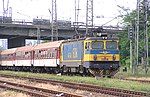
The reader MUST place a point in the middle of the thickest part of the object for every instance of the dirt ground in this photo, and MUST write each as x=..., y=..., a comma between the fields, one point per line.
x=47, y=86
x=7, y=93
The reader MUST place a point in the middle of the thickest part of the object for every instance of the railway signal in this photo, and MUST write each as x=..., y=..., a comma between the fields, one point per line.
x=130, y=32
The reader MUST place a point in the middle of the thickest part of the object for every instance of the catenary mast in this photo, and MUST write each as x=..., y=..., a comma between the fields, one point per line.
x=141, y=36
x=54, y=24
x=89, y=15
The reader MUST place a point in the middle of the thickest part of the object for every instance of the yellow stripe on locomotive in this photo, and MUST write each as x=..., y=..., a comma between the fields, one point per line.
x=101, y=50
x=101, y=57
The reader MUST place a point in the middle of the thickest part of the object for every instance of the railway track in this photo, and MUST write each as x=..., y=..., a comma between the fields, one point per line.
x=92, y=88
x=34, y=91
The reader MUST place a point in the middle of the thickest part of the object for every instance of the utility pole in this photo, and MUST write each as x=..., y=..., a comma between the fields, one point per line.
x=141, y=31
x=137, y=36
x=146, y=35
x=77, y=9
x=7, y=12
x=54, y=21
x=89, y=15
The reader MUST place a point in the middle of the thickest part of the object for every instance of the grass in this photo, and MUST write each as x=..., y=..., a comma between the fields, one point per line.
x=106, y=82
x=139, y=73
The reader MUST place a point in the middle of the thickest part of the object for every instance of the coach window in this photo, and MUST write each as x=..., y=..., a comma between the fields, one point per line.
x=8, y=57
x=21, y=55
x=26, y=55
x=48, y=54
x=36, y=54
x=39, y=54
x=45, y=53
x=52, y=55
x=4, y=57
x=17, y=55
x=29, y=54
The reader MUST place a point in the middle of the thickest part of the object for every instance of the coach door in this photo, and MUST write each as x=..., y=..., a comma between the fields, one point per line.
x=32, y=57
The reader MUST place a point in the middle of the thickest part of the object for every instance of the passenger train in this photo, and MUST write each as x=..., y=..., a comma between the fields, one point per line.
x=98, y=56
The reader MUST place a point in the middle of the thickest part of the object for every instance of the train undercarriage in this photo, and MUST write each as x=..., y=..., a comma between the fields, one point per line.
x=103, y=73
x=97, y=72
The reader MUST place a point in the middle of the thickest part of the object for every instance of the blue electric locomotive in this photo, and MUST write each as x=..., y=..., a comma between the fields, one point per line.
x=97, y=55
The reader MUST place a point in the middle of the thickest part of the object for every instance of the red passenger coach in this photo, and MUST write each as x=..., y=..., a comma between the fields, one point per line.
x=8, y=57
x=47, y=54
x=24, y=56
x=42, y=57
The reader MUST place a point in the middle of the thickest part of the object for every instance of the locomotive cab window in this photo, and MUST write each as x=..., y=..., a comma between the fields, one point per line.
x=87, y=45
x=111, y=45
x=97, y=45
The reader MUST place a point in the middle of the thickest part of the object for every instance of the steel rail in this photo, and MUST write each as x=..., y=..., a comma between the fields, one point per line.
x=87, y=87
x=34, y=91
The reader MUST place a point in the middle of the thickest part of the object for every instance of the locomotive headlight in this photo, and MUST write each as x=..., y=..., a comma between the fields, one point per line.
x=95, y=57
x=114, y=57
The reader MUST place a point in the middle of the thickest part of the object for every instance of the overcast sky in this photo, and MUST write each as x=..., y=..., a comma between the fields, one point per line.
x=29, y=9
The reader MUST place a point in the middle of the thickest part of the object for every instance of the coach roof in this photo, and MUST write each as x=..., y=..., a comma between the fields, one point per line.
x=53, y=44
x=9, y=51
x=25, y=48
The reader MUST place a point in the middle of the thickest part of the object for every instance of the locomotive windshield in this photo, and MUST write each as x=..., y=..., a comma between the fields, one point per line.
x=111, y=45
x=97, y=45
